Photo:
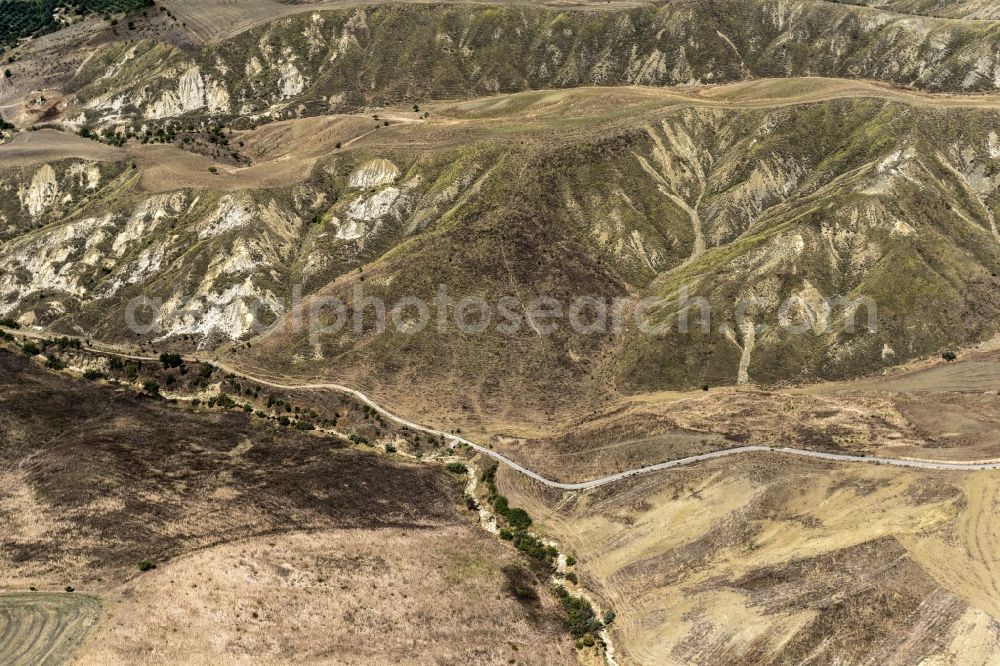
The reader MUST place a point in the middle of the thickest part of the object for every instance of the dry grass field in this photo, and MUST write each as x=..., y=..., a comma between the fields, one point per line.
x=761, y=559
x=268, y=543
x=46, y=145
x=357, y=596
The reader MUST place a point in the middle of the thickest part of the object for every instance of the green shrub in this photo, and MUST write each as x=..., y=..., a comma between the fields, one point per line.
x=389, y=448
x=30, y=349
x=146, y=565
x=93, y=375
x=67, y=343
x=580, y=617
x=531, y=546
x=304, y=425
x=224, y=401
x=171, y=360
x=949, y=356
x=151, y=387
x=457, y=468
x=518, y=518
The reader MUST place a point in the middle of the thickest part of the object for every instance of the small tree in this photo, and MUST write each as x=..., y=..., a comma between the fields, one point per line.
x=30, y=349
x=151, y=387
x=949, y=356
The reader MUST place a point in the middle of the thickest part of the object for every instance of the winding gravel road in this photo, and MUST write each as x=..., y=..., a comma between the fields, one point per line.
x=583, y=485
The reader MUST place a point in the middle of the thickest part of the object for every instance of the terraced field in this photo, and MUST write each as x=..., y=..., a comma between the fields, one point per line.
x=43, y=629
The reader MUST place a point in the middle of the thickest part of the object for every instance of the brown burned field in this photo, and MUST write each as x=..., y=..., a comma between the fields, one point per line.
x=268, y=542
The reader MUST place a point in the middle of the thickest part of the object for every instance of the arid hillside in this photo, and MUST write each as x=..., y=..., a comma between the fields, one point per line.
x=469, y=332
x=268, y=542
x=854, y=194
x=383, y=54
